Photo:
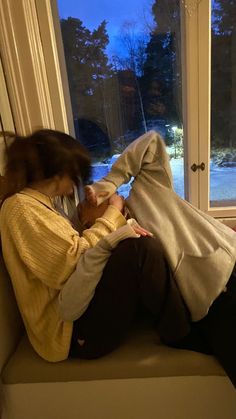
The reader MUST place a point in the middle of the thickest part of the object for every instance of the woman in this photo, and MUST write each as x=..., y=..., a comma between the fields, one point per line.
x=41, y=250
x=200, y=250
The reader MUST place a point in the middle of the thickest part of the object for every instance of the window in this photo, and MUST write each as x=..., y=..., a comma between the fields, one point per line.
x=223, y=104
x=124, y=70
x=127, y=93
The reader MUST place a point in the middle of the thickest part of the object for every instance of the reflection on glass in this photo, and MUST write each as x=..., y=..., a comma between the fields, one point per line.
x=223, y=110
x=124, y=71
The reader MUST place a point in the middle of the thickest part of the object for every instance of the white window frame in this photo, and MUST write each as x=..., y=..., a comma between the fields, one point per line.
x=204, y=17
x=189, y=41
x=33, y=59
x=7, y=123
x=197, y=111
x=31, y=63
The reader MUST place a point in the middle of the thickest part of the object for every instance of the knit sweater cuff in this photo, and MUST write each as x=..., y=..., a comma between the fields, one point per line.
x=117, y=236
x=112, y=218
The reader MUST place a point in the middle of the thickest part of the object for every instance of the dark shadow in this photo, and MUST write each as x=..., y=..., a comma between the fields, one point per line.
x=93, y=137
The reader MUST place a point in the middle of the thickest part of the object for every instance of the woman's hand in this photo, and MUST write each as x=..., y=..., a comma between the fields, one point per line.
x=91, y=197
x=88, y=213
x=142, y=231
x=117, y=201
x=138, y=229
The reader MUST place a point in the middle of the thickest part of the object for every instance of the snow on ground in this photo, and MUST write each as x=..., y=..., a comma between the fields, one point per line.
x=222, y=179
x=223, y=182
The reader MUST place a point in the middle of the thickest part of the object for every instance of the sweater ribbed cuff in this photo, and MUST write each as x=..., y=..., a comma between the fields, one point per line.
x=112, y=218
x=122, y=233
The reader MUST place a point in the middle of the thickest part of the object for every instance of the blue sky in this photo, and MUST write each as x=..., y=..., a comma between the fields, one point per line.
x=93, y=12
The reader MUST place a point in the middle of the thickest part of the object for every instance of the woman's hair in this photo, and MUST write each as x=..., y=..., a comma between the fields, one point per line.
x=42, y=155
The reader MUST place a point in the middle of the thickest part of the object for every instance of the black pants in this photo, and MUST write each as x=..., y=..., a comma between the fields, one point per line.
x=136, y=274
x=215, y=333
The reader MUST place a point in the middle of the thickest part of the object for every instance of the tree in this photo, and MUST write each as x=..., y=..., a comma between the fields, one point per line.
x=223, y=17
x=224, y=74
x=130, y=65
x=161, y=80
x=87, y=68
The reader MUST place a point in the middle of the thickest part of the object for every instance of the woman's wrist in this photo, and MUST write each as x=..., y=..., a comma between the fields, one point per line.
x=114, y=215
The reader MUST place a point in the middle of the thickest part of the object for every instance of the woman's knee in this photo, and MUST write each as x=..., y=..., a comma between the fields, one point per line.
x=153, y=243
x=132, y=257
x=152, y=246
x=124, y=253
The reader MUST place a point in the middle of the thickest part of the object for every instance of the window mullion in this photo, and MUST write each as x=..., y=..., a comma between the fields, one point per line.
x=204, y=65
x=190, y=99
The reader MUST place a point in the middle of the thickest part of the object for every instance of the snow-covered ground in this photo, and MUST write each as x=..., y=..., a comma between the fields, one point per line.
x=222, y=179
x=223, y=182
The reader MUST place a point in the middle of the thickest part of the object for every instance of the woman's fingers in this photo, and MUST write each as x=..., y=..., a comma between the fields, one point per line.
x=142, y=231
x=90, y=195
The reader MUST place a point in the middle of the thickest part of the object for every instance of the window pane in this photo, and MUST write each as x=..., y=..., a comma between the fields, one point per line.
x=124, y=71
x=223, y=104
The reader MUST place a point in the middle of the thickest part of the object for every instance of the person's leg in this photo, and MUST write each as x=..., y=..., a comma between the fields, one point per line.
x=160, y=294
x=193, y=341
x=215, y=333
x=112, y=309
x=129, y=273
x=218, y=328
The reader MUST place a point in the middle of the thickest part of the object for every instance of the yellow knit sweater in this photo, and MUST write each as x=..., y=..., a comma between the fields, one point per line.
x=41, y=250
